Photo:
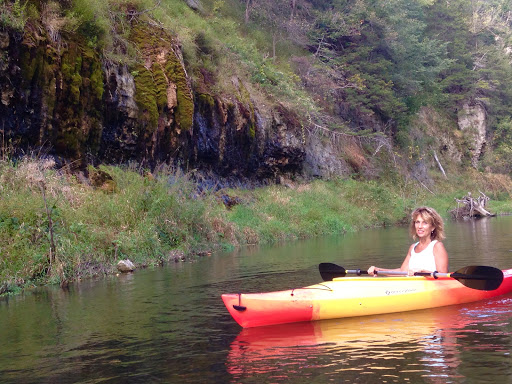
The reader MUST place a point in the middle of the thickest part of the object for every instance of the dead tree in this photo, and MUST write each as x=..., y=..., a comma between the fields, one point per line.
x=469, y=207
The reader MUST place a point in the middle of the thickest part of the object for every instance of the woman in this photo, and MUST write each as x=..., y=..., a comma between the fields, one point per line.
x=428, y=254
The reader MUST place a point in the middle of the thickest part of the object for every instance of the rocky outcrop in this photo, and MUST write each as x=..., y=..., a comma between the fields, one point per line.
x=83, y=108
x=52, y=97
x=434, y=126
x=195, y=5
x=323, y=159
x=234, y=138
x=472, y=121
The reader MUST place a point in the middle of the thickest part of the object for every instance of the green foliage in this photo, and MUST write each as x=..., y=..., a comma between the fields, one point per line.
x=501, y=158
x=14, y=14
x=387, y=46
x=417, y=57
x=144, y=219
x=318, y=209
x=94, y=20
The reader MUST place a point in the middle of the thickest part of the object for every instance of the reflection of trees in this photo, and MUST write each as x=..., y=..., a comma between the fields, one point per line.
x=482, y=241
x=484, y=350
x=480, y=231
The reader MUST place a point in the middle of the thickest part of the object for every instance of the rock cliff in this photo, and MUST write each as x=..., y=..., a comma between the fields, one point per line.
x=61, y=95
x=472, y=121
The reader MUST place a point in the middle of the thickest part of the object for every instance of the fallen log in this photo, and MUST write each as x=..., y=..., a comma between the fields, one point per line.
x=469, y=207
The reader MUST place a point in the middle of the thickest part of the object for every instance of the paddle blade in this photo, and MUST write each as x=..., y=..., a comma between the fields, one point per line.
x=329, y=271
x=479, y=277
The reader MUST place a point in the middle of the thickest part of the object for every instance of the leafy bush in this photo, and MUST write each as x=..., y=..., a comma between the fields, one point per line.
x=14, y=14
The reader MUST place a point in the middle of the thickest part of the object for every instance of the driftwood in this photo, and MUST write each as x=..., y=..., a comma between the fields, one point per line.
x=469, y=207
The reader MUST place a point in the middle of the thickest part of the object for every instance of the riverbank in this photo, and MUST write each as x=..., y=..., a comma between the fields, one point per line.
x=57, y=227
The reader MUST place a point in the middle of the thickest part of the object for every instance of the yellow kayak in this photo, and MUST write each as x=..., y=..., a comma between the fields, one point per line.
x=355, y=296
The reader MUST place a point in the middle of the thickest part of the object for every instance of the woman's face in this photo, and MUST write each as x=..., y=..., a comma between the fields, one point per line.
x=423, y=227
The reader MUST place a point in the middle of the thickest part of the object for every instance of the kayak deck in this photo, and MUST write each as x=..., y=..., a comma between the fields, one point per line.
x=354, y=296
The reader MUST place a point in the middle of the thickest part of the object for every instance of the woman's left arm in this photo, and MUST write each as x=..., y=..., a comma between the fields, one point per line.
x=441, y=257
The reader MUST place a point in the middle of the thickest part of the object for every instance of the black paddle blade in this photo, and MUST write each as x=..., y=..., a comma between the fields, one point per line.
x=329, y=271
x=479, y=277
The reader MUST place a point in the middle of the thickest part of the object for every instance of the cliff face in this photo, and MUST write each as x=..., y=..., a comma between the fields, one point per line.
x=50, y=95
x=61, y=95
x=472, y=120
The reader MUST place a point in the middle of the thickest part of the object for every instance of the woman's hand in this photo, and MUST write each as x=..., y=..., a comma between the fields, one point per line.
x=372, y=271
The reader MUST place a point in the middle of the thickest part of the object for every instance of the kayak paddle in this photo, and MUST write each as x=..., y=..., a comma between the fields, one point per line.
x=476, y=276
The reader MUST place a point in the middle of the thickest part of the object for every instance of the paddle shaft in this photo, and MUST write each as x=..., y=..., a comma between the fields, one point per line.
x=476, y=277
x=435, y=274
x=404, y=273
x=360, y=272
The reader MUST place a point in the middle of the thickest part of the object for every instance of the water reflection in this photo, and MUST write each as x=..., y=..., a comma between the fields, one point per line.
x=486, y=241
x=420, y=346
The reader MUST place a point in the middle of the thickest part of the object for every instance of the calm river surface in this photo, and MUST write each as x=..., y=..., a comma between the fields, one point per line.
x=169, y=325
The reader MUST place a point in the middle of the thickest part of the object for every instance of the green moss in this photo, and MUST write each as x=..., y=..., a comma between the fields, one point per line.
x=185, y=108
x=28, y=65
x=96, y=78
x=160, y=82
x=66, y=71
x=74, y=88
x=92, y=73
x=70, y=81
x=80, y=98
x=71, y=66
x=205, y=102
x=145, y=95
x=148, y=96
x=207, y=99
x=252, y=130
x=245, y=99
x=151, y=84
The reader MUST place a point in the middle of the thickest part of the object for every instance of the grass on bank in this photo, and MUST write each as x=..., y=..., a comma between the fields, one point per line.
x=56, y=227
x=142, y=217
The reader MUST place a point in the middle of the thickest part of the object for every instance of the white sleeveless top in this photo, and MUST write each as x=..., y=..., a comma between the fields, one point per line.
x=423, y=260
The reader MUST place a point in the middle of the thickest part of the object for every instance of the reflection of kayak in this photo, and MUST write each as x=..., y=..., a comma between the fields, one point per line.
x=363, y=331
x=424, y=346
x=354, y=296
x=381, y=329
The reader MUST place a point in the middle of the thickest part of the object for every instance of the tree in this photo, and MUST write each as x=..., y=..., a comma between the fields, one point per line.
x=284, y=19
x=386, y=45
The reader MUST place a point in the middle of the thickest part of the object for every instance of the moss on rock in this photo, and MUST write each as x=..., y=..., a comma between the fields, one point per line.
x=159, y=70
x=185, y=107
x=65, y=86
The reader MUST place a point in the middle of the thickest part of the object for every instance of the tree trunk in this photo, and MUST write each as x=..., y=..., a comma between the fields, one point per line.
x=274, y=39
x=294, y=4
x=247, y=10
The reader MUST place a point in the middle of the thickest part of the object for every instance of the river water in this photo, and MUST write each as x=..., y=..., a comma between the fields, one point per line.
x=169, y=325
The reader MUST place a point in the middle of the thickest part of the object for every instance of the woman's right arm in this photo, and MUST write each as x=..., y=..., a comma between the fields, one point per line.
x=404, y=268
